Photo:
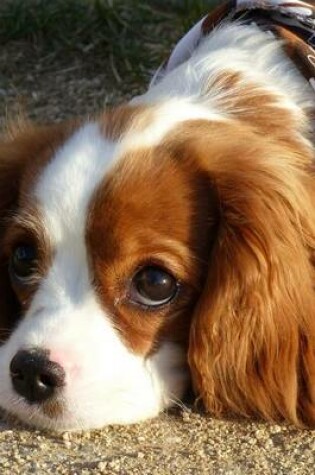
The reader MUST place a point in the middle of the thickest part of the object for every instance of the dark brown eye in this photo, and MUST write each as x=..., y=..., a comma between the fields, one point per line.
x=23, y=262
x=152, y=286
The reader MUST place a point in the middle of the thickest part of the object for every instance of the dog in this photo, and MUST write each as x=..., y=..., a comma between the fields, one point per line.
x=168, y=243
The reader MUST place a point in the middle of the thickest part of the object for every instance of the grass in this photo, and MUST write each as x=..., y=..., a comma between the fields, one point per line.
x=133, y=36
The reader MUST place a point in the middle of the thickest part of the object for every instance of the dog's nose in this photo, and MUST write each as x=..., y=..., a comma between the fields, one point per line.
x=34, y=376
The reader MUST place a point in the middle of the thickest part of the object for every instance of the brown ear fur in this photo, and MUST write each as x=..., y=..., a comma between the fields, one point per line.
x=252, y=341
x=22, y=153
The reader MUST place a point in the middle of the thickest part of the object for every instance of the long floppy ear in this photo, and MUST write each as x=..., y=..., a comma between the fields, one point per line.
x=21, y=151
x=252, y=340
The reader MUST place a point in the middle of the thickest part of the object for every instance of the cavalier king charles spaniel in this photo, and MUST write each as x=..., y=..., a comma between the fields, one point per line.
x=167, y=244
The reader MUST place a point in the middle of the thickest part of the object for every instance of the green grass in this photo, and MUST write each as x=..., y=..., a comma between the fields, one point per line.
x=133, y=35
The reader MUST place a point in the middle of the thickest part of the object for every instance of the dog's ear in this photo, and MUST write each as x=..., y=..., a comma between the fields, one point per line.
x=252, y=338
x=21, y=150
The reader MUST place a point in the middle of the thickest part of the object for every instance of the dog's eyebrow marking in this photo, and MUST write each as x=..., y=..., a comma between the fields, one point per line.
x=25, y=220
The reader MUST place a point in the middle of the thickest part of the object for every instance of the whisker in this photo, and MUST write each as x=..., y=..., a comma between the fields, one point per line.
x=178, y=402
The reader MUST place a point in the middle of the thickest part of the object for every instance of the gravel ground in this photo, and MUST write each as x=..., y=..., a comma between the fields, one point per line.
x=178, y=443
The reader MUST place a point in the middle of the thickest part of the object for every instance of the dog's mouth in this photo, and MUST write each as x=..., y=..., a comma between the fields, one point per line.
x=51, y=414
x=53, y=409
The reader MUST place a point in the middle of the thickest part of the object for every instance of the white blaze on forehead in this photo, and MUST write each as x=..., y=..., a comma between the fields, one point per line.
x=72, y=176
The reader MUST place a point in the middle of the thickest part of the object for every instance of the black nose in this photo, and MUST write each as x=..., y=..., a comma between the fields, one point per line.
x=34, y=376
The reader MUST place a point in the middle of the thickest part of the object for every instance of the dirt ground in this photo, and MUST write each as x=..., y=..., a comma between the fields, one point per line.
x=182, y=442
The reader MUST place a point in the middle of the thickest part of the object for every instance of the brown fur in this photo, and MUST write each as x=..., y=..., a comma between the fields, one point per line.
x=252, y=339
x=246, y=101
x=144, y=215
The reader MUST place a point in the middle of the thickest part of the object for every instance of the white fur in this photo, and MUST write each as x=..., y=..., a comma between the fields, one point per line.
x=69, y=181
x=166, y=117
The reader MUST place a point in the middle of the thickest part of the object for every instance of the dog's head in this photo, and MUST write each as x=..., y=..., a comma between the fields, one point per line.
x=148, y=246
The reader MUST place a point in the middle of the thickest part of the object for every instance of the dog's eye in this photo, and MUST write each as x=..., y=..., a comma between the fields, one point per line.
x=153, y=286
x=23, y=260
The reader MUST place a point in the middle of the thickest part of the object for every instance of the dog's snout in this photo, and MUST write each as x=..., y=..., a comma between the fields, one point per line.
x=34, y=376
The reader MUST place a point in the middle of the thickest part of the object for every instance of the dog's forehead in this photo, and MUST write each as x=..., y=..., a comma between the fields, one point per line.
x=96, y=150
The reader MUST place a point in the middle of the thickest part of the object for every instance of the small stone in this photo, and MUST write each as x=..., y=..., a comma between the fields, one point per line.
x=102, y=466
x=260, y=434
x=276, y=429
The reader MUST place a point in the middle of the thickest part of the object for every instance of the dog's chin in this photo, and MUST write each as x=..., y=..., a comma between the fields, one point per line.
x=51, y=416
x=57, y=416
